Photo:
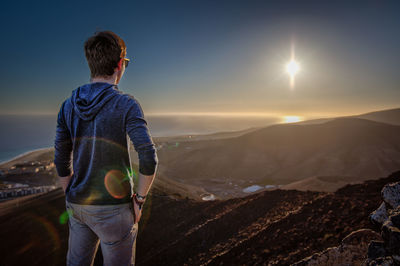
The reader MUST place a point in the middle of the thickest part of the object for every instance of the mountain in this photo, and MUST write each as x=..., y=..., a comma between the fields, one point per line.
x=285, y=153
x=194, y=137
x=390, y=116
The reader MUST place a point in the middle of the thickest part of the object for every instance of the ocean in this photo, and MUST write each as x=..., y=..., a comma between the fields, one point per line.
x=23, y=133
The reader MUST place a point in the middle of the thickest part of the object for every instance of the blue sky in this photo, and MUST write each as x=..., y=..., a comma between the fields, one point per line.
x=208, y=56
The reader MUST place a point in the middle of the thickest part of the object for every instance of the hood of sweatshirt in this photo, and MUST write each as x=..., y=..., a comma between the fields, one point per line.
x=90, y=98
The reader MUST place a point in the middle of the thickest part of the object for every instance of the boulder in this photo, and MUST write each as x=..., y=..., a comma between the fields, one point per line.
x=379, y=216
x=391, y=236
x=376, y=249
x=388, y=214
x=382, y=261
x=395, y=218
x=391, y=194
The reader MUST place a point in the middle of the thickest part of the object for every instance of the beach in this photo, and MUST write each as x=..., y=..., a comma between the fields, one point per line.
x=32, y=155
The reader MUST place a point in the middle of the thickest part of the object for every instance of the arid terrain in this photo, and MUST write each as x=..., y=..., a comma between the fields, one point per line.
x=330, y=183
x=320, y=156
x=271, y=227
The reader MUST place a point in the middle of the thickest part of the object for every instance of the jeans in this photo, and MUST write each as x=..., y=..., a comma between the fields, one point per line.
x=110, y=225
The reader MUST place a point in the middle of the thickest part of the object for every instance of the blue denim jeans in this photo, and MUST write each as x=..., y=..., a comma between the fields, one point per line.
x=111, y=226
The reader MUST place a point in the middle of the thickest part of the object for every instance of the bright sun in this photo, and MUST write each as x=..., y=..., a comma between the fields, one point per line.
x=292, y=68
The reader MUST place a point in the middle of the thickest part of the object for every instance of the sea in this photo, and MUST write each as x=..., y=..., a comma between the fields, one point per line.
x=23, y=133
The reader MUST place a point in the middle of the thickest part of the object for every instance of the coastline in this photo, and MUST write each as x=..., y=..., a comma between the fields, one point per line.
x=28, y=156
x=32, y=155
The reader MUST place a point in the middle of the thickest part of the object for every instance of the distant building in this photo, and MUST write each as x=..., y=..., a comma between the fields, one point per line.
x=18, y=192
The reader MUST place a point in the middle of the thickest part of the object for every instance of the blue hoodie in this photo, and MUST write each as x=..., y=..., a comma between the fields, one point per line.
x=94, y=124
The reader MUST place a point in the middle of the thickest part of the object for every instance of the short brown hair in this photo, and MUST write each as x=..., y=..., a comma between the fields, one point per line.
x=103, y=51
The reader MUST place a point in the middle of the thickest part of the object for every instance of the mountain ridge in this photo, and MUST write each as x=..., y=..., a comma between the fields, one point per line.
x=285, y=153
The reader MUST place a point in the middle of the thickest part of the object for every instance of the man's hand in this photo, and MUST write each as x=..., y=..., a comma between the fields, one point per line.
x=143, y=187
x=64, y=181
x=137, y=210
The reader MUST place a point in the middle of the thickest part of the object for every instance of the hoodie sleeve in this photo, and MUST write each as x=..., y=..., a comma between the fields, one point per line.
x=136, y=127
x=62, y=146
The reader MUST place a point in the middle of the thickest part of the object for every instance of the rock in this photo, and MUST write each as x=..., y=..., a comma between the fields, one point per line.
x=391, y=194
x=376, y=249
x=396, y=259
x=391, y=236
x=352, y=250
x=384, y=261
x=208, y=197
x=395, y=218
x=388, y=215
x=379, y=216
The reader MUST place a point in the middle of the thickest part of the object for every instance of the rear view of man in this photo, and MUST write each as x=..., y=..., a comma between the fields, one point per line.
x=93, y=124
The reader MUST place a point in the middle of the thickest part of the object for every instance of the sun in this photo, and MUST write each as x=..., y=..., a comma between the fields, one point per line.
x=292, y=68
x=291, y=119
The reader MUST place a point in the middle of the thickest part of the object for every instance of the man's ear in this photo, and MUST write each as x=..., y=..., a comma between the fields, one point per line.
x=120, y=64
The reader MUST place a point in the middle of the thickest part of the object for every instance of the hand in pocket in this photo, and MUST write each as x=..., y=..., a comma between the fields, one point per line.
x=137, y=212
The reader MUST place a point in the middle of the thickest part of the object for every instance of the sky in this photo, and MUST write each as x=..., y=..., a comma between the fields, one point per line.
x=208, y=57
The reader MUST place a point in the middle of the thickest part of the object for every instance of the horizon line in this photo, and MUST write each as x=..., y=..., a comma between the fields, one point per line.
x=226, y=114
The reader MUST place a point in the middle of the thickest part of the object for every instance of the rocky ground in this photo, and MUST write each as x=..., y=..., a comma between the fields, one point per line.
x=386, y=251
x=271, y=227
x=278, y=227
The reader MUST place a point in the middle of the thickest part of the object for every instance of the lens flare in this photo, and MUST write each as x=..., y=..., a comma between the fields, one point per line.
x=41, y=229
x=117, y=184
x=65, y=216
x=173, y=145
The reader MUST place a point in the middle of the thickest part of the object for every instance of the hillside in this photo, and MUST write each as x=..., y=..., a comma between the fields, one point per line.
x=390, y=116
x=277, y=227
x=285, y=153
x=322, y=183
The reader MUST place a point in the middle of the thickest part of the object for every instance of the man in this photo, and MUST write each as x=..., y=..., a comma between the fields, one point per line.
x=94, y=124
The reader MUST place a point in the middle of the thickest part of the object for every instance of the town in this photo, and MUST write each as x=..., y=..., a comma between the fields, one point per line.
x=27, y=178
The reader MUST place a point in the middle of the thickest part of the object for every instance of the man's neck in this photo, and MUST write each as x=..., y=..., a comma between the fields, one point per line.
x=111, y=80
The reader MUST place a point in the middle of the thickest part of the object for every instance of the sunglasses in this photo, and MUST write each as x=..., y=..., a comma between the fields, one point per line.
x=126, y=60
